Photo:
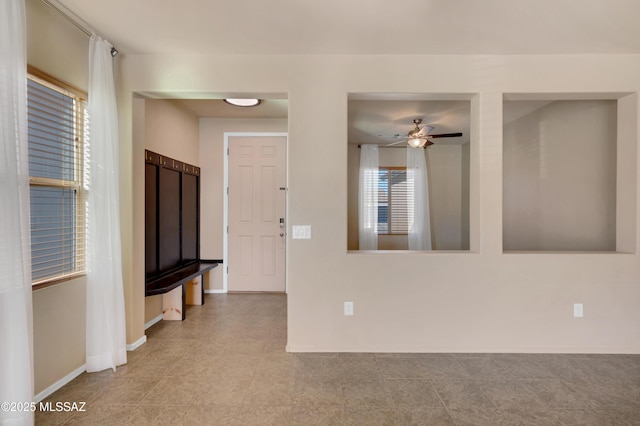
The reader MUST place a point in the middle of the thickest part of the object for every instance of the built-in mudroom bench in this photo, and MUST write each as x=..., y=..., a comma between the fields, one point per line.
x=173, y=267
x=180, y=288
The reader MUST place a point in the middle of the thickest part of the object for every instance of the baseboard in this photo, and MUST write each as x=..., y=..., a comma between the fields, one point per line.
x=60, y=383
x=215, y=291
x=135, y=345
x=153, y=321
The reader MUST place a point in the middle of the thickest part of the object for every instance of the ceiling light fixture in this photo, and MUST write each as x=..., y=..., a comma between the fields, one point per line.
x=416, y=139
x=417, y=142
x=243, y=102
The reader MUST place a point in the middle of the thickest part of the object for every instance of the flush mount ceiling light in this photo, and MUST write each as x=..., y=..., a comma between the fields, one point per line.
x=243, y=102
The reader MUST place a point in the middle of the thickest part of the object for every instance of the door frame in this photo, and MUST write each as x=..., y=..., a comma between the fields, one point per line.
x=225, y=221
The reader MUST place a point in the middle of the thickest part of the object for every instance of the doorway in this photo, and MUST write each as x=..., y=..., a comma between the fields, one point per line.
x=255, y=212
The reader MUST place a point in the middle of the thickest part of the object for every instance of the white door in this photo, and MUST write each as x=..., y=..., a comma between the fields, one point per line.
x=257, y=200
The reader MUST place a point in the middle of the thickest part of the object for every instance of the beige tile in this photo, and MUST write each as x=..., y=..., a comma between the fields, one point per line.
x=223, y=390
x=277, y=365
x=314, y=391
x=263, y=391
x=126, y=390
x=482, y=367
x=587, y=417
x=442, y=366
x=317, y=366
x=174, y=391
x=608, y=394
x=507, y=394
x=358, y=367
x=152, y=415
x=103, y=415
x=478, y=416
x=211, y=414
x=623, y=415
x=370, y=416
x=423, y=416
x=261, y=415
x=51, y=418
x=149, y=366
x=365, y=393
x=239, y=366
x=525, y=366
x=412, y=393
x=84, y=388
x=607, y=367
x=316, y=416
x=401, y=368
x=557, y=393
x=191, y=366
x=169, y=347
x=461, y=393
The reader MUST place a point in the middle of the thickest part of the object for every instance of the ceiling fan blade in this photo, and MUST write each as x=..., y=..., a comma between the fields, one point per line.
x=395, y=143
x=446, y=135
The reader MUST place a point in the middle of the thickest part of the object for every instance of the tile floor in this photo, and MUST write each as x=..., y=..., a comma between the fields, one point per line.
x=226, y=365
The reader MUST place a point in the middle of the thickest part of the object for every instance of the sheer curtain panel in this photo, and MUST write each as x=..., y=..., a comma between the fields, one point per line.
x=368, y=198
x=106, y=335
x=419, y=234
x=16, y=347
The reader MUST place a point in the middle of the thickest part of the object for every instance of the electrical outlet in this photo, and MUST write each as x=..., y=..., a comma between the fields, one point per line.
x=578, y=310
x=348, y=308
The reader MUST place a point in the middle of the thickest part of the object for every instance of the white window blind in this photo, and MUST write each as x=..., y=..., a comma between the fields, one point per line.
x=56, y=126
x=393, y=192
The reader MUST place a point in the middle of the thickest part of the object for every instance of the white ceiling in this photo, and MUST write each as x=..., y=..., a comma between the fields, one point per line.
x=217, y=27
x=388, y=121
x=365, y=26
x=269, y=108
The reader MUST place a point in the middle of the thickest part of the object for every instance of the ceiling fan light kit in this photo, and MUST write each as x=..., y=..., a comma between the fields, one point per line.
x=418, y=137
x=416, y=142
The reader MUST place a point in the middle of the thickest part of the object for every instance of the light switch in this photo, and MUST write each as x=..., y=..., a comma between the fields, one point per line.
x=301, y=232
x=348, y=309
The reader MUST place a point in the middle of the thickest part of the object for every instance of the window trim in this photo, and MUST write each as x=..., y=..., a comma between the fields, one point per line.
x=48, y=80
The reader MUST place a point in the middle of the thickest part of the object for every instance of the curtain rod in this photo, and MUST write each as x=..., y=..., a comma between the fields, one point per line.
x=75, y=20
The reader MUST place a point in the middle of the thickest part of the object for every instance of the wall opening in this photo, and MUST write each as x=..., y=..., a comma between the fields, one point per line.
x=385, y=121
x=561, y=180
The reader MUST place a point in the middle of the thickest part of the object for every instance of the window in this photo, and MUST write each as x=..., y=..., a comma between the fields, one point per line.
x=56, y=126
x=393, y=204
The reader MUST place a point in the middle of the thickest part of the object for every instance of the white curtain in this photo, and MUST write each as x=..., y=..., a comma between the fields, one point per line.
x=419, y=235
x=106, y=333
x=16, y=330
x=368, y=198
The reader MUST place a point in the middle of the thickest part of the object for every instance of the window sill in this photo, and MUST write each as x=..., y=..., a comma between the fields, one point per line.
x=57, y=280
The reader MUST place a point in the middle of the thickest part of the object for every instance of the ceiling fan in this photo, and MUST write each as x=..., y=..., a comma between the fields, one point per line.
x=419, y=137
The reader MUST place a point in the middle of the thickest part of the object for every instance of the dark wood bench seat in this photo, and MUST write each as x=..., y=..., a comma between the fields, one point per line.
x=183, y=275
x=168, y=283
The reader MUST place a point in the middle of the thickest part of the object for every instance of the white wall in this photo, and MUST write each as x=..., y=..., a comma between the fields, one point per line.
x=444, y=163
x=560, y=177
x=481, y=300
